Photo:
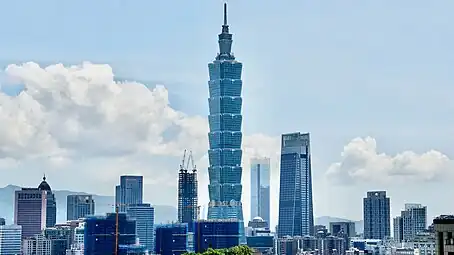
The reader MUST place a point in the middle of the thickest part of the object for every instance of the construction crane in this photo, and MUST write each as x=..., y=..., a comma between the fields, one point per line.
x=187, y=160
x=182, y=165
x=191, y=161
x=117, y=234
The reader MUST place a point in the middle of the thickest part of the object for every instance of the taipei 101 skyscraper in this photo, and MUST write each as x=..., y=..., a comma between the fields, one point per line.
x=225, y=131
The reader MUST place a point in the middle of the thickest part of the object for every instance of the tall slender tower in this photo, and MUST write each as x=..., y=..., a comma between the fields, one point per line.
x=296, y=213
x=260, y=188
x=225, y=131
x=187, y=194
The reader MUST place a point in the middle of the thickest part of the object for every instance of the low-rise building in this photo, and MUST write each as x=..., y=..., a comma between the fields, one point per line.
x=37, y=245
x=424, y=242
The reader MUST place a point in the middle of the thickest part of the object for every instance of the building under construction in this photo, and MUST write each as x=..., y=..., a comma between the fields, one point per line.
x=188, y=209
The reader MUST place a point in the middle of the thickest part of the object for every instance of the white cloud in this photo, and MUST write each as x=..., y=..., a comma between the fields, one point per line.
x=361, y=161
x=77, y=122
x=81, y=110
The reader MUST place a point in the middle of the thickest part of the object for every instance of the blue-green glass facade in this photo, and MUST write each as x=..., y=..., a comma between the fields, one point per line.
x=225, y=135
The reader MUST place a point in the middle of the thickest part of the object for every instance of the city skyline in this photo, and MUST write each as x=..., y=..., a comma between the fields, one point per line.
x=368, y=64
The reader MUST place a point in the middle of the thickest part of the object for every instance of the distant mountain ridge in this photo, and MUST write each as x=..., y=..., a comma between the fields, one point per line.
x=103, y=204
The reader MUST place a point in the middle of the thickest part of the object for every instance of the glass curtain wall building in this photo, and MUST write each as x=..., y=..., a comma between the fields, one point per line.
x=99, y=234
x=296, y=213
x=143, y=214
x=260, y=188
x=129, y=192
x=79, y=206
x=376, y=212
x=10, y=239
x=225, y=131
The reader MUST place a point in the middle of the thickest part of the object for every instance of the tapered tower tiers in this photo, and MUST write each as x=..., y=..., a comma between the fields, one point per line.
x=225, y=131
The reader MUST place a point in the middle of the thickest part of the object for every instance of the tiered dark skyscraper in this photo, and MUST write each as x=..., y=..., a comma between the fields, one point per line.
x=225, y=131
x=296, y=213
x=187, y=194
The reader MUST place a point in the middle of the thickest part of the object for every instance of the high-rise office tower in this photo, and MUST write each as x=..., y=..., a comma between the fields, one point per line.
x=79, y=206
x=187, y=194
x=398, y=229
x=225, y=132
x=412, y=220
x=260, y=188
x=296, y=213
x=129, y=192
x=143, y=214
x=376, y=215
x=35, y=209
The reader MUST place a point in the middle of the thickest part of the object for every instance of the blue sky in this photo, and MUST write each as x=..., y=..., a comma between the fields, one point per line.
x=337, y=69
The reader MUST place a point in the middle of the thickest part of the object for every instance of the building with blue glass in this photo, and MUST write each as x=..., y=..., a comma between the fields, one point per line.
x=129, y=192
x=100, y=232
x=143, y=214
x=79, y=206
x=225, y=135
x=187, y=195
x=377, y=215
x=216, y=234
x=296, y=213
x=171, y=239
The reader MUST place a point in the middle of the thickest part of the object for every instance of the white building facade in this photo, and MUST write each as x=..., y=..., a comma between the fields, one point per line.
x=37, y=245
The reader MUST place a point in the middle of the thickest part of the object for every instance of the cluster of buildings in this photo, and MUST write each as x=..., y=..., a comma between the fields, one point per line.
x=131, y=229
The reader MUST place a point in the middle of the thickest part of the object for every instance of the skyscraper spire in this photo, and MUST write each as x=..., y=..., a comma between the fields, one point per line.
x=225, y=14
x=225, y=39
x=225, y=26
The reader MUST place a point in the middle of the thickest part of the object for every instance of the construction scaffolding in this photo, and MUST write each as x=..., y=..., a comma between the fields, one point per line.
x=188, y=210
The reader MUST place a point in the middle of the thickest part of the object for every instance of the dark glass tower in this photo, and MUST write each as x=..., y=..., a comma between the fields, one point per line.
x=296, y=213
x=129, y=192
x=376, y=207
x=99, y=234
x=187, y=196
x=225, y=131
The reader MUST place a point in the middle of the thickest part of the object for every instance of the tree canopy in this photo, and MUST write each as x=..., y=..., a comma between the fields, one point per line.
x=237, y=250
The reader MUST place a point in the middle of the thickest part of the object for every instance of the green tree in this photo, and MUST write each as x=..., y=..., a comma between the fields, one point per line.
x=237, y=250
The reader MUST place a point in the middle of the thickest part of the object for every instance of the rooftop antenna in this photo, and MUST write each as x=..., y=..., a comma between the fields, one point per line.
x=225, y=14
